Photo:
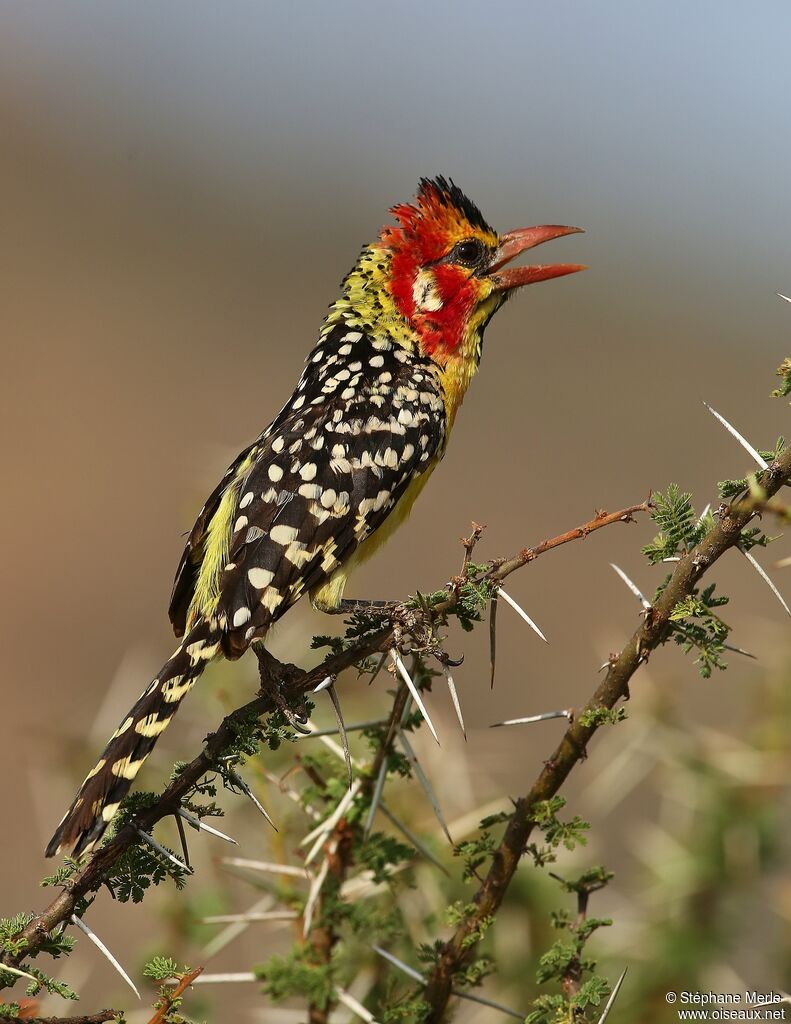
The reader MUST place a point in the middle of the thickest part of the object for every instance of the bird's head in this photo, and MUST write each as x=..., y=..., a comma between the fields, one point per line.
x=448, y=269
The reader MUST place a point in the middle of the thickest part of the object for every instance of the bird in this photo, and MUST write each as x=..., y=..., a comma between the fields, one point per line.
x=340, y=466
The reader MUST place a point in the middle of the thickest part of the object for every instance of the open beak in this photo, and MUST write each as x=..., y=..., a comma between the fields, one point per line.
x=516, y=242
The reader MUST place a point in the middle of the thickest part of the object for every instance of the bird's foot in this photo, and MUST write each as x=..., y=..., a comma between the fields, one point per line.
x=274, y=676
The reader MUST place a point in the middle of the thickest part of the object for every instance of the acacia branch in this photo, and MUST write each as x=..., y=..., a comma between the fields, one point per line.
x=295, y=683
x=322, y=936
x=459, y=950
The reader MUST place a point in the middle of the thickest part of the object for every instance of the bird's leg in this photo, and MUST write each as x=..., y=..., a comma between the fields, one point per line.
x=273, y=675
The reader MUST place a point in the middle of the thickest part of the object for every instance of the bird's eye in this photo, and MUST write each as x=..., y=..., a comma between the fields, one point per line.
x=469, y=253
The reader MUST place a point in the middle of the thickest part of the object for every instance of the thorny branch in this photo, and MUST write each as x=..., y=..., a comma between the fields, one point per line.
x=459, y=950
x=295, y=683
x=93, y=1018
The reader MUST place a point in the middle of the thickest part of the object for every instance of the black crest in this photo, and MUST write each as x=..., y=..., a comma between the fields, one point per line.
x=449, y=193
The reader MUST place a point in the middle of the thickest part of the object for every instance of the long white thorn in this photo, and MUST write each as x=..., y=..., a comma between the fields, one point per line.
x=742, y=440
x=327, y=826
x=533, y=718
x=420, y=847
x=354, y=1005
x=376, y=798
x=740, y=650
x=104, y=950
x=21, y=974
x=613, y=997
x=249, y=918
x=417, y=976
x=183, y=837
x=460, y=994
x=425, y=783
x=313, y=895
x=349, y=728
x=201, y=826
x=632, y=586
x=409, y=971
x=751, y=559
x=325, y=684
x=336, y=707
x=163, y=852
x=232, y=931
x=225, y=979
x=520, y=611
x=396, y=658
x=265, y=865
x=237, y=778
x=455, y=698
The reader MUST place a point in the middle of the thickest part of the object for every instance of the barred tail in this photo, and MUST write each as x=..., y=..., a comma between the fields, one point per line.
x=131, y=743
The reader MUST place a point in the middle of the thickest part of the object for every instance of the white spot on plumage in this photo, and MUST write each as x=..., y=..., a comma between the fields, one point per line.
x=308, y=471
x=241, y=615
x=352, y=336
x=277, y=444
x=246, y=499
x=275, y=473
x=126, y=768
x=260, y=578
x=283, y=535
x=376, y=361
x=310, y=491
x=328, y=498
x=109, y=810
x=271, y=599
x=240, y=523
x=298, y=402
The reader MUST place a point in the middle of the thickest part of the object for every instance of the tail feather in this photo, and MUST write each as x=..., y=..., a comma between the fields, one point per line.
x=111, y=777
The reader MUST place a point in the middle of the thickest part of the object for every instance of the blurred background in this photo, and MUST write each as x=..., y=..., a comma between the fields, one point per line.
x=183, y=187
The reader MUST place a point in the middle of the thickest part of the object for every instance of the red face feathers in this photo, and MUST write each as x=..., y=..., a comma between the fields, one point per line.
x=446, y=275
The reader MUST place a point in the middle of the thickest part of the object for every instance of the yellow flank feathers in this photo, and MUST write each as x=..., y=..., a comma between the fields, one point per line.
x=216, y=547
x=328, y=596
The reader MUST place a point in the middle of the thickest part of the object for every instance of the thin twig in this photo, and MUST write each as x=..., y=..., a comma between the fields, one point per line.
x=170, y=998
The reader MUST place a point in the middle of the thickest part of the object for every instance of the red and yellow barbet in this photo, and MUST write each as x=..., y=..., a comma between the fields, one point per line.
x=340, y=466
